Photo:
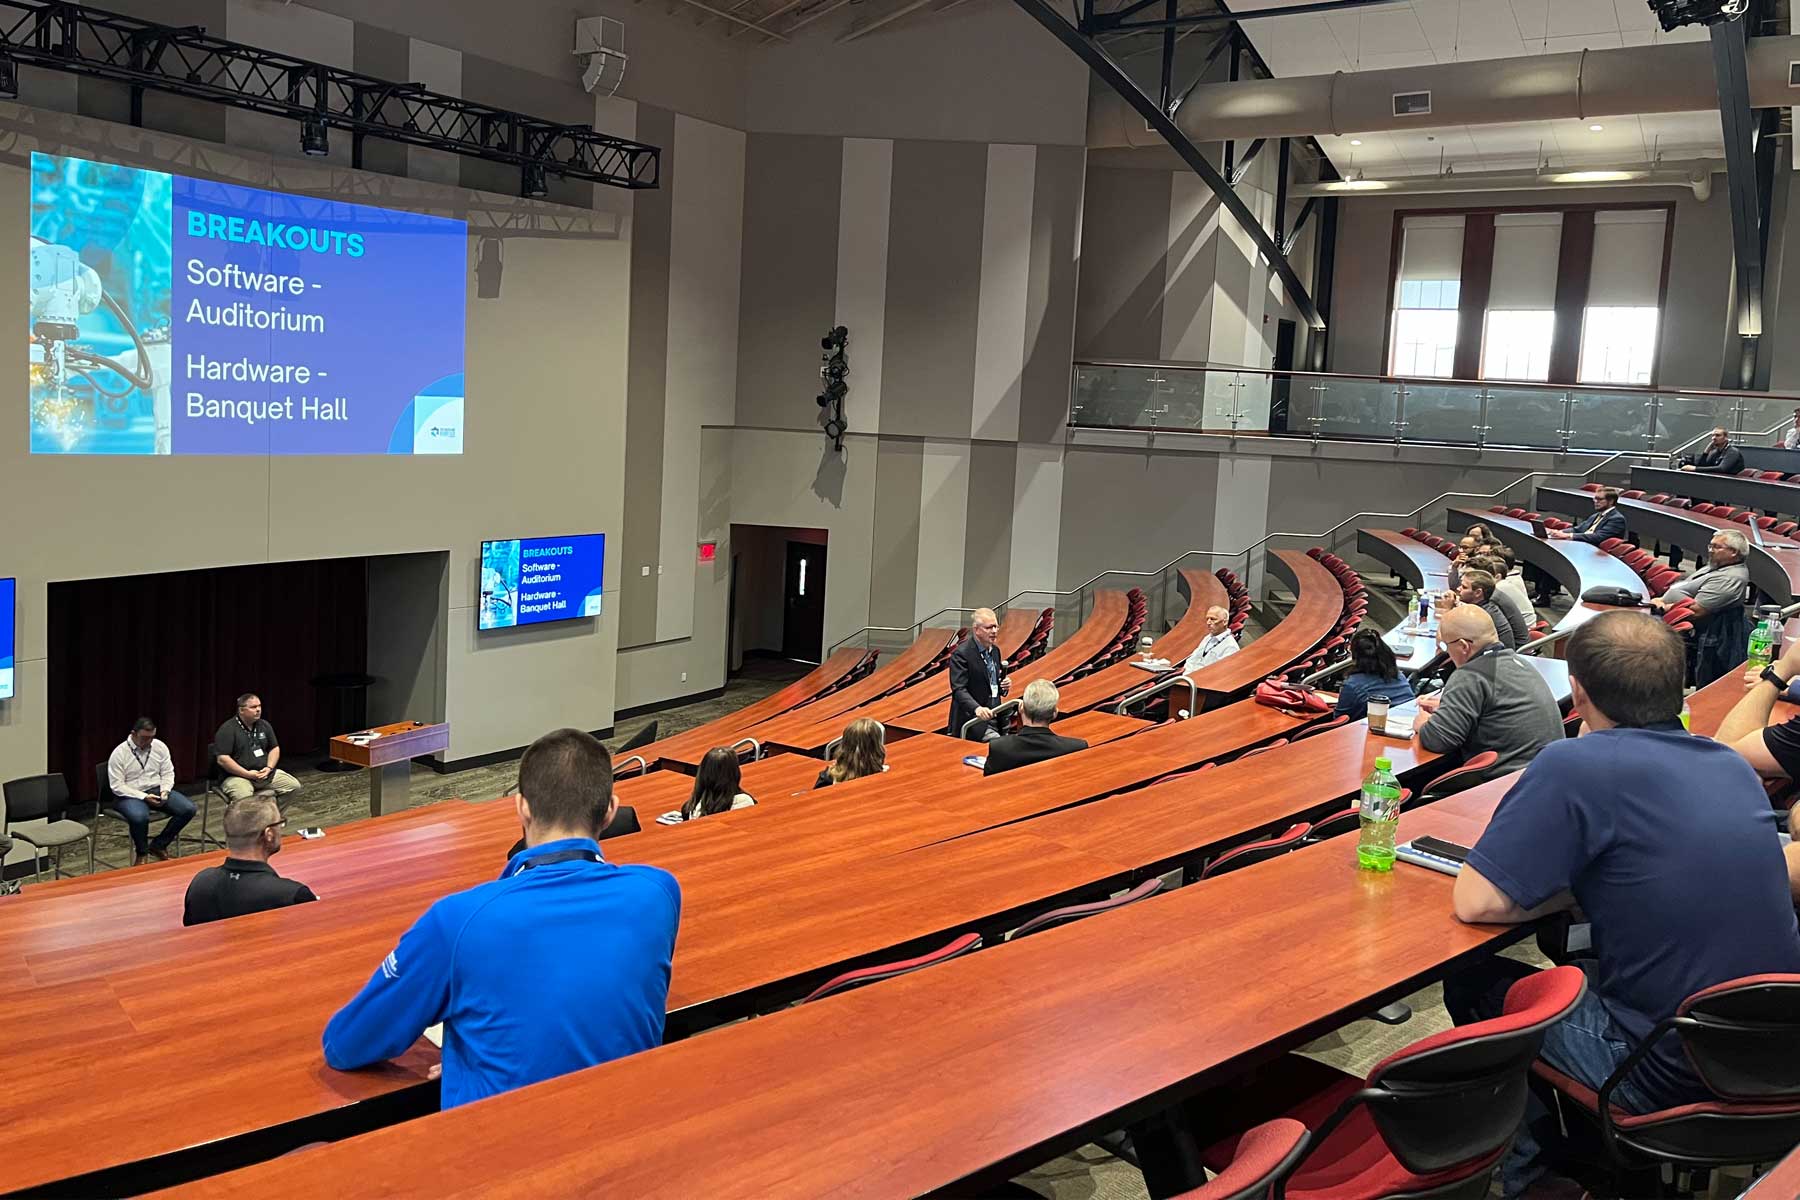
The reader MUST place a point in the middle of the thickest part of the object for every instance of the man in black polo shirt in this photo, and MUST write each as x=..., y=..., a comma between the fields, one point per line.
x=248, y=752
x=245, y=882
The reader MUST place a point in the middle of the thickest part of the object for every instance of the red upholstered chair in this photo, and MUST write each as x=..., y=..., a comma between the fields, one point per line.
x=1432, y=1120
x=1458, y=779
x=1292, y=838
x=967, y=943
x=1517, y=513
x=1611, y=544
x=1743, y=1039
x=1680, y=502
x=1770, y=475
x=1742, y=518
x=1784, y=528
x=1658, y=498
x=1409, y=531
x=1633, y=494
x=1703, y=508
x=1322, y=726
x=1662, y=580
x=1345, y=820
x=1747, y=473
x=1274, y=745
x=1075, y=912
x=1497, y=508
x=1316, y=552
x=1766, y=522
x=1592, y=487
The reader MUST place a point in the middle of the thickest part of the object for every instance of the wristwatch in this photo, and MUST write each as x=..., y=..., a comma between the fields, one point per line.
x=1768, y=673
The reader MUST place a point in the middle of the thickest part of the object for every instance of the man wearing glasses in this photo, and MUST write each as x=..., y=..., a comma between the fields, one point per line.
x=244, y=882
x=1494, y=701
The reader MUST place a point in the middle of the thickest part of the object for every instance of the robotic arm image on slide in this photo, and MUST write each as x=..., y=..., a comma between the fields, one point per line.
x=63, y=291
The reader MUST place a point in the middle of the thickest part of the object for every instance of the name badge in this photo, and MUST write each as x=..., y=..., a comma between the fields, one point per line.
x=258, y=752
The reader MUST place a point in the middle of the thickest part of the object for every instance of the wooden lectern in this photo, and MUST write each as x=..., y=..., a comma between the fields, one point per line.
x=388, y=754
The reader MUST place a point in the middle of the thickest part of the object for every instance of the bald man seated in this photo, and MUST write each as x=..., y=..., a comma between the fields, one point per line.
x=1216, y=645
x=1495, y=700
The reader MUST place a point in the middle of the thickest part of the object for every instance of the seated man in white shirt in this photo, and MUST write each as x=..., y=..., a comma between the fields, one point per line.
x=1217, y=644
x=141, y=777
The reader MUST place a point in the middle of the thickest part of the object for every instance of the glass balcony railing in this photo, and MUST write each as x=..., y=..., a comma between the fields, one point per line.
x=1208, y=398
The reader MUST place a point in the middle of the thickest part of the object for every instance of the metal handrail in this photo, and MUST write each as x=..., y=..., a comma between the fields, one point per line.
x=1004, y=710
x=1154, y=364
x=620, y=769
x=1081, y=588
x=1159, y=687
x=755, y=747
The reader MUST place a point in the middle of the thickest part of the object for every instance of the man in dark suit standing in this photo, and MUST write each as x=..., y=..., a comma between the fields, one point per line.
x=1034, y=742
x=977, y=679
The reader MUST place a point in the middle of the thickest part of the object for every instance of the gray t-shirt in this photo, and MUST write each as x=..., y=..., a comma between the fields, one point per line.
x=1496, y=701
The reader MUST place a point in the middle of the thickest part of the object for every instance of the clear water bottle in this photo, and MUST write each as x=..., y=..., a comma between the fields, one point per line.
x=1412, y=608
x=1763, y=640
x=1380, y=806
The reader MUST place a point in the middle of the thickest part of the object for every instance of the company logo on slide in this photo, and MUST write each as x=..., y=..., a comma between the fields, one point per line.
x=171, y=315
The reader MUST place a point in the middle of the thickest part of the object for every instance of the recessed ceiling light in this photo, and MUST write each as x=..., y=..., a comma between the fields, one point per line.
x=1595, y=128
x=1356, y=141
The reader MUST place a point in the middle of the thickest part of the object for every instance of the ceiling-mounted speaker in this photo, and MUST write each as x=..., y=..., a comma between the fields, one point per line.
x=600, y=44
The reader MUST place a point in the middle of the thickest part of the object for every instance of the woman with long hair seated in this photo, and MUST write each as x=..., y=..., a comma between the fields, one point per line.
x=862, y=751
x=716, y=786
x=1373, y=672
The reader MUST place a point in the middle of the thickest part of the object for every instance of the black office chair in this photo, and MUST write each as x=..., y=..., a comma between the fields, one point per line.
x=37, y=809
x=106, y=802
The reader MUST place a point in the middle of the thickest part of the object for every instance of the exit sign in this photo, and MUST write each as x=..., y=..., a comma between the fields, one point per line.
x=708, y=551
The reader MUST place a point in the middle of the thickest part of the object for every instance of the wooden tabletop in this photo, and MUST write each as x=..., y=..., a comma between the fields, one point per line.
x=1054, y=1035
x=399, y=742
x=1577, y=566
x=1095, y=634
x=802, y=730
x=1318, y=602
x=1773, y=495
x=1418, y=564
x=690, y=747
x=926, y=653
x=1203, y=592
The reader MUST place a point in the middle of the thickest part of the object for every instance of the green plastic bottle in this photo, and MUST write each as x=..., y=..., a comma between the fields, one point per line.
x=1380, y=805
x=1762, y=644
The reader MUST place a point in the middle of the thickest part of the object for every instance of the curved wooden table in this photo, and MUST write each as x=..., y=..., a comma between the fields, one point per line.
x=1771, y=495
x=795, y=732
x=1774, y=564
x=1577, y=566
x=1410, y=559
x=1043, y=1053
x=690, y=746
x=1203, y=591
x=926, y=653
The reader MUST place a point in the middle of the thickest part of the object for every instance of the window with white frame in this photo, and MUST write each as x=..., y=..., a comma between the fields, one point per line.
x=1428, y=290
x=1619, y=326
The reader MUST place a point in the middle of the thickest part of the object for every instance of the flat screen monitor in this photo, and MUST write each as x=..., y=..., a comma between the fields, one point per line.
x=8, y=589
x=525, y=581
x=173, y=315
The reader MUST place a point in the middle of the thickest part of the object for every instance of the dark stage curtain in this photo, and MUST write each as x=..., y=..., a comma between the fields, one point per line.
x=179, y=648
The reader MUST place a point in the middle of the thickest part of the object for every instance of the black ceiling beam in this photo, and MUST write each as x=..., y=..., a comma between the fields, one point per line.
x=1747, y=242
x=1102, y=64
x=184, y=61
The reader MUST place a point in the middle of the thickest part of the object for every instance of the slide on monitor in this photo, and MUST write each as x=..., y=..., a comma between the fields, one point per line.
x=172, y=315
x=8, y=588
x=528, y=580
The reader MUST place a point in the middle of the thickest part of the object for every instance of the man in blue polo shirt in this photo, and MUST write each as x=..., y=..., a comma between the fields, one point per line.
x=1667, y=843
x=560, y=964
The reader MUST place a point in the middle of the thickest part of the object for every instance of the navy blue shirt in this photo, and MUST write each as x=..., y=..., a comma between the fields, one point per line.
x=546, y=970
x=1669, y=845
x=1353, y=696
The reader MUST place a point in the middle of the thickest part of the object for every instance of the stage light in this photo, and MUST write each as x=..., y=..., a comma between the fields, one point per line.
x=315, y=138
x=533, y=184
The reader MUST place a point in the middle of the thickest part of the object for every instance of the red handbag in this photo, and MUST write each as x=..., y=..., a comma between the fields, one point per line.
x=1276, y=692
